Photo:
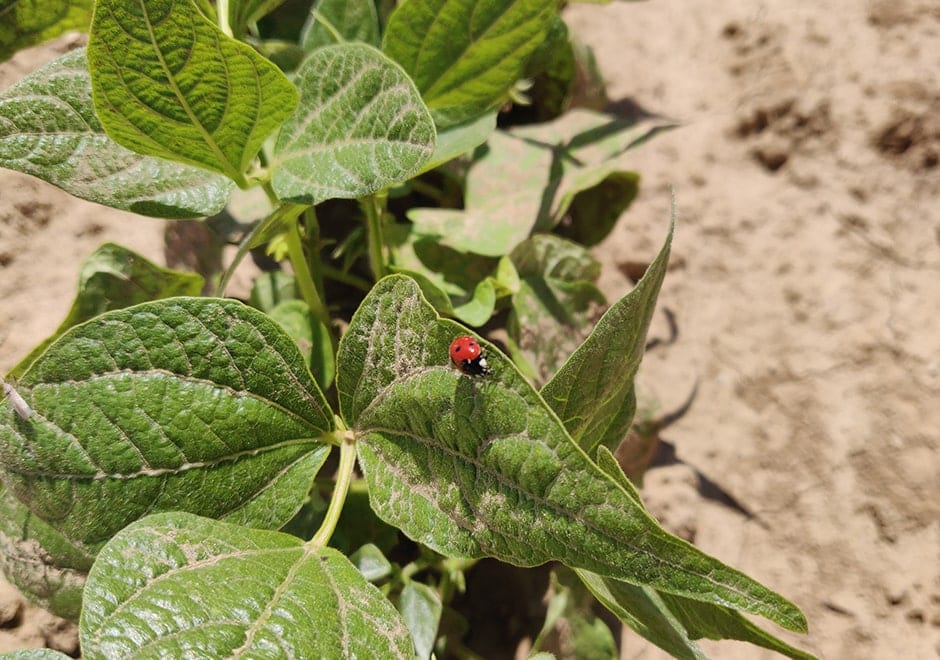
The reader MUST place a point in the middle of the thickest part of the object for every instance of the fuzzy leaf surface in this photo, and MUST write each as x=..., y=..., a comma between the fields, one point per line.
x=29, y=23
x=593, y=392
x=478, y=467
x=465, y=55
x=167, y=82
x=235, y=592
x=193, y=404
x=361, y=126
x=49, y=129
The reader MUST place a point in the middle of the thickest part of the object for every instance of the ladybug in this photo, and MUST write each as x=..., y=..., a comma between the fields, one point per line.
x=467, y=355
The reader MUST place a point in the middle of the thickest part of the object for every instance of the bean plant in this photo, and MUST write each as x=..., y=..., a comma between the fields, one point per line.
x=305, y=473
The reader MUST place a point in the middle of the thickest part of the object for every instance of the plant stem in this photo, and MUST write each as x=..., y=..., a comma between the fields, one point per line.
x=223, y=18
x=308, y=290
x=374, y=209
x=347, y=461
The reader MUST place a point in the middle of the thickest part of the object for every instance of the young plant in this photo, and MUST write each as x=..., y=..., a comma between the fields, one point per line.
x=158, y=441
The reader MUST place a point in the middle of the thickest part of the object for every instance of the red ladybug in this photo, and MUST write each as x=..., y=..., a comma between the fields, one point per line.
x=467, y=355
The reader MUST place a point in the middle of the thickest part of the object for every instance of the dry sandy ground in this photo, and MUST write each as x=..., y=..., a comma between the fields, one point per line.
x=805, y=286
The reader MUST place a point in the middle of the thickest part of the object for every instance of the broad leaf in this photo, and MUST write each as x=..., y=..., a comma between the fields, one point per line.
x=234, y=592
x=46, y=568
x=478, y=467
x=114, y=277
x=29, y=23
x=673, y=622
x=194, y=404
x=49, y=129
x=346, y=20
x=555, y=305
x=533, y=177
x=360, y=127
x=169, y=83
x=465, y=55
x=609, y=359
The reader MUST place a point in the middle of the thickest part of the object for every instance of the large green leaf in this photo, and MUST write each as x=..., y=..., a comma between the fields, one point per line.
x=48, y=569
x=482, y=467
x=360, y=127
x=114, y=277
x=26, y=23
x=194, y=404
x=169, y=83
x=601, y=413
x=532, y=177
x=175, y=585
x=465, y=55
x=49, y=129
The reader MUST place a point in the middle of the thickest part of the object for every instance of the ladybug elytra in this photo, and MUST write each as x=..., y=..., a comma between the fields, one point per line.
x=467, y=355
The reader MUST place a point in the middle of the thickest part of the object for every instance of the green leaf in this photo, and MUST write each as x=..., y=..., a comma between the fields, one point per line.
x=478, y=467
x=421, y=608
x=169, y=83
x=672, y=622
x=360, y=127
x=596, y=207
x=194, y=404
x=48, y=569
x=352, y=20
x=555, y=305
x=462, y=139
x=465, y=55
x=272, y=288
x=311, y=336
x=234, y=592
x=114, y=277
x=593, y=393
x=529, y=179
x=643, y=611
x=49, y=129
x=29, y=23
x=370, y=561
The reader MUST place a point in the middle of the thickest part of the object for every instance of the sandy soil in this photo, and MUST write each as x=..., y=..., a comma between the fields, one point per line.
x=805, y=286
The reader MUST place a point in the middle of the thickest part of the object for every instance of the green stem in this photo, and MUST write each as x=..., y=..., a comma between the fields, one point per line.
x=223, y=17
x=285, y=213
x=374, y=209
x=347, y=461
x=308, y=290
